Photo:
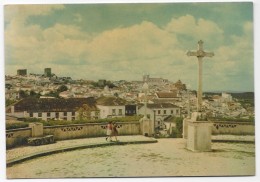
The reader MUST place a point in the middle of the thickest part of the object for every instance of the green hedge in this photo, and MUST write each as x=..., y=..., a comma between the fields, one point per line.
x=65, y=122
x=10, y=126
x=251, y=119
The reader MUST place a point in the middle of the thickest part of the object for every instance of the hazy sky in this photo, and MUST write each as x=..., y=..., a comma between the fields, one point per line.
x=125, y=41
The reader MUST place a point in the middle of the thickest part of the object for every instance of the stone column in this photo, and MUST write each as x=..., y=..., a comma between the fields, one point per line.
x=37, y=129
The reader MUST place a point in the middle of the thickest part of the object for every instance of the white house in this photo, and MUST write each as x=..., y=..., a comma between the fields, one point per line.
x=111, y=107
x=52, y=108
x=159, y=112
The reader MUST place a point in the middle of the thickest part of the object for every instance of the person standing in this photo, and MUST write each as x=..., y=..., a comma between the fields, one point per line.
x=114, y=131
x=109, y=131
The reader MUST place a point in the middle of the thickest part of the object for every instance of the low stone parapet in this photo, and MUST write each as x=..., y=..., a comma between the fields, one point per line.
x=41, y=140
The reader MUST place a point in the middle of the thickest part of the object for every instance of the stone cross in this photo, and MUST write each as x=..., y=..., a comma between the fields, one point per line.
x=200, y=54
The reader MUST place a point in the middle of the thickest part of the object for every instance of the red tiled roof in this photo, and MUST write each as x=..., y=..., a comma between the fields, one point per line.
x=166, y=94
x=161, y=105
x=111, y=101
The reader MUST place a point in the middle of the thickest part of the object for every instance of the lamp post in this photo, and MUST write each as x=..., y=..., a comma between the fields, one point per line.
x=145, y=89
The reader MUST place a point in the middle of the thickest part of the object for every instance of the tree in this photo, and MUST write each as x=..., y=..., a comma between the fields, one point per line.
x=177, y=131
x=23, y=94
x=85, y=112
x=62, y=88
x=34, y=94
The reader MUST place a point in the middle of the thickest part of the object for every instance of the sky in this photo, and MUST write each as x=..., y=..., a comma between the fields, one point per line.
x=126, y=41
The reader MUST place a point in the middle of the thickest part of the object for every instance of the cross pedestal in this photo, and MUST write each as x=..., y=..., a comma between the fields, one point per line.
x=197, y=133
x=199, y=136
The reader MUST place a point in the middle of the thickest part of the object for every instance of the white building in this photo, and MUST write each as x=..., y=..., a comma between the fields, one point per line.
x=52, y=108
x=226, y=97
x=111, y=107
x=159, y=112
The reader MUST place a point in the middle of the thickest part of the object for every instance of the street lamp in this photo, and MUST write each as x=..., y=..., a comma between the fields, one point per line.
x=145, y=89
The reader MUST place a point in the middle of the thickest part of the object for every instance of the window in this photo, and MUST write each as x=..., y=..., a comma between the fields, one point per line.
x=48, y=114
x=57, y=115
x=126, y=111
x=133, y=111
x=158, y=122
x=120, y=112
x=159, y=111
x=113, y=111
x=164, y=111
x=31, y=114
x=72, y=113
x=64, y=113
x=39, y=114
x=171, y=111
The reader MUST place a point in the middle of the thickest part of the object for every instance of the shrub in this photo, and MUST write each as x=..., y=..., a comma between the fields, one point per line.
x=65, y=122
x=10, y=126
x=177, y=131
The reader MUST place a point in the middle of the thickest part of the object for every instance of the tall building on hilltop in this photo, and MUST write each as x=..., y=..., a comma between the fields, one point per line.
x=154, y=81
x=22, y=72
x=47, y=72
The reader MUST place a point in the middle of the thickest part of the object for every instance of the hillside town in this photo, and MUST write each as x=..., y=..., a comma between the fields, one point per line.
x=47, y=96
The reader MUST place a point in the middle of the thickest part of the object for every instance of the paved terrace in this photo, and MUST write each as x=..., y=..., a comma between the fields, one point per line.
x=23, y=153
x=166, y=157
x=20, y=154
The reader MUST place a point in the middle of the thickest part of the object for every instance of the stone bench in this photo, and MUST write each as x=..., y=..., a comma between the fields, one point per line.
x=48, y=139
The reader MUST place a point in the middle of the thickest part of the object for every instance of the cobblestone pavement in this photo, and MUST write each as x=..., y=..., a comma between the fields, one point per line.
x=167, y=157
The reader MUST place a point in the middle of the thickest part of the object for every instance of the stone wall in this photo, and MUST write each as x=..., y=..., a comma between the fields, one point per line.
x=17, y=136
x=225, y=128
x=233, y=128
x=89, y=130
x=20, y=136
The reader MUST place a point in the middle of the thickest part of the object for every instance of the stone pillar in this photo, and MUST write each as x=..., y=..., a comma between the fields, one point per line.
x=147, y=127
x=199, y=136
x=37, y=129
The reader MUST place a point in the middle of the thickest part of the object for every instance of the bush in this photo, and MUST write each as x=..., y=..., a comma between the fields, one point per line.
x=65, y=122
x=177, y=131
x=251, y=119
x=10, y=126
